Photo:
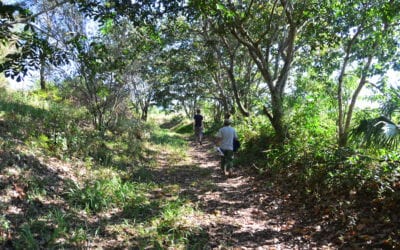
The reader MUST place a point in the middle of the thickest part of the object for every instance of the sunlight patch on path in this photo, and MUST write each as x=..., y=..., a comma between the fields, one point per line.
x=243, y=213
x=232, y=207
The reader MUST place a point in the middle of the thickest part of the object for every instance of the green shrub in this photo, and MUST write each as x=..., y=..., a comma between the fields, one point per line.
x=98, y=195
x=65, y=131
x=173, y=121
x=174, y=227
x=185, y=128
x=4, y=228
x=27, y=239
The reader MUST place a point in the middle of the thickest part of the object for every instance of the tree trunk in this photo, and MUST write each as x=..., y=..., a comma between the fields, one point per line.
x=344, y=119
x=145, y=111
x=342, y=134
x=238, y=101
x=145, y=108
x=230, y=71
x=277, y=117
x=42, y=78
x=277, y=79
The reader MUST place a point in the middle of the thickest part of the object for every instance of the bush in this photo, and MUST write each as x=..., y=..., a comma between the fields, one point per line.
x=101, y=194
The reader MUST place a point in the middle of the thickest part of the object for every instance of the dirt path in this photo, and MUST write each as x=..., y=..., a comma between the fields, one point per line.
x=239, y=212
x=233, y=206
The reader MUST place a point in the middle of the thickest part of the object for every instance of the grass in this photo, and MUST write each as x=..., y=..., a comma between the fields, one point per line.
x=170, y=144
x=80, y=189
x=185, y=128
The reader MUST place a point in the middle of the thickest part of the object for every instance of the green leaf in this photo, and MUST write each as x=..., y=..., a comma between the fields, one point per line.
x=103, y=92
x=107, y=26
x=221, y=7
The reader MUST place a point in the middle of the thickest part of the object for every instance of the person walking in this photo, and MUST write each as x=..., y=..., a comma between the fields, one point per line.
x=225, y=137
x=198, y=126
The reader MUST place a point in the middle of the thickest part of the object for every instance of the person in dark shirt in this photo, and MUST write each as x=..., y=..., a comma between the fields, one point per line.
x=198, y=126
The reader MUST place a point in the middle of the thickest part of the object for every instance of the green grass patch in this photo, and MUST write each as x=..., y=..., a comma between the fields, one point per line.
x=111, y=194
x=170, y=144
x=174, y=226
x=186, y=128
x=55, y=230
x=102, y=194
x=169, y=121
x=166, y=138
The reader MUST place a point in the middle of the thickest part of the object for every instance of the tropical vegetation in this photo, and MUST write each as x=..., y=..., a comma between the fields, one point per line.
x=309, y=85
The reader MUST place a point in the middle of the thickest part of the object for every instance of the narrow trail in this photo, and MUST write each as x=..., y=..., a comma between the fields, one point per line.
x=235, y=207
x=240, y=212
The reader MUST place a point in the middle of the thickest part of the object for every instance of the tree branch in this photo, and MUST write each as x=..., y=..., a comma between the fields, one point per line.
x=24, y=20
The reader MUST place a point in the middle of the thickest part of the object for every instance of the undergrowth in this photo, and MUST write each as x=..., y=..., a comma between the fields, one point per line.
x=71, y=186
x=355, y=191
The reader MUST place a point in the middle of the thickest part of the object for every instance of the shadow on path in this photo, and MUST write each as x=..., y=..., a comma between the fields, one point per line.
x=240, y=211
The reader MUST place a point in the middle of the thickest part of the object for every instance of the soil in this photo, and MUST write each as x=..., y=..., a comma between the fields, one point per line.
x=241, y=211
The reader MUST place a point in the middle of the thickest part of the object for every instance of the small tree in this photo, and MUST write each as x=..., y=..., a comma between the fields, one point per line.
x=362, y=44
x=98, y=81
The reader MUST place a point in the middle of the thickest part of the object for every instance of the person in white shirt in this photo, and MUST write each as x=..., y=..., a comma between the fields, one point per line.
x=225, y=136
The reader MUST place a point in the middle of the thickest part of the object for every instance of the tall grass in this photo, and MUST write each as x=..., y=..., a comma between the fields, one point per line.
x=115, y=196
x=102, y=194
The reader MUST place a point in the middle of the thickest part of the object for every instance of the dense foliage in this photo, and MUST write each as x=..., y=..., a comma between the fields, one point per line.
x=289, y=73
x=62, y=173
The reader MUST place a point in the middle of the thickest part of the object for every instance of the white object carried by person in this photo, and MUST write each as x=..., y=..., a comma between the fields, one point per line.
x=219, y=151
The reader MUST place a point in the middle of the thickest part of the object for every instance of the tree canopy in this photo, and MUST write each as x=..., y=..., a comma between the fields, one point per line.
x=244, y=56
x=102, y=155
